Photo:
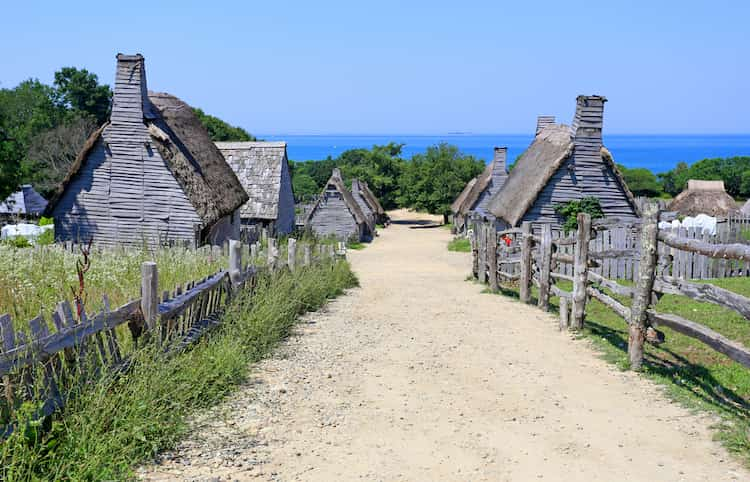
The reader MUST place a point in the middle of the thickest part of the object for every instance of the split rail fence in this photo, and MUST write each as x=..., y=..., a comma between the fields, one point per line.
x=540, y=259
x=46, y=366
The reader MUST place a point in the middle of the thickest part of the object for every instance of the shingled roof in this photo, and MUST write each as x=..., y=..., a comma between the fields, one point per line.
x=182, y=141
x=459, y=201
x=492, y=179
x=259, y=167
x=373, y=199
x=338, y=183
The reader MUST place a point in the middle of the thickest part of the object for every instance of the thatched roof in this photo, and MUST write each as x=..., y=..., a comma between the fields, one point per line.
x=373, y=199
x=494, y=176
x=704, y=197
x=182, y=141
x=259, y=167
x=459, y=202
x=531, y=172
x=337, y=183
x=26, y=201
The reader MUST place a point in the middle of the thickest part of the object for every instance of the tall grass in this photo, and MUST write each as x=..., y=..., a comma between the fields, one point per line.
x=462, y=245
x=118, y=422
x=32, y=280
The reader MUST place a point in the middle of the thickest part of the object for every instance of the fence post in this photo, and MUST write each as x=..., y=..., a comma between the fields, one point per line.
x=482, y=254
x=272, y=253
x=580, y=269
x=545, y=266
x=307, y=254
x=644, y=286
x=235, y=261
x=149, y=293
x=525, y=275
x=292, y=254
x=331, y=251
x=564, y=313
x=492, y=255
x=254, y=253
x=474, y=241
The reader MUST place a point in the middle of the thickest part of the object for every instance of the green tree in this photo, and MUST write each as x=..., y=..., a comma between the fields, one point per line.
x=221, y=131
x=381, y=167
x=641, y=181
x=674, y=181
x=305, y=187
x=431, y=181
x=80, y=92
x=10, y=160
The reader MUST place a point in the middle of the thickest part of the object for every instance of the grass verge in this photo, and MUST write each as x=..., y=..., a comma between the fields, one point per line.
x=692, y=373
x=119, y=422
x=462, y=245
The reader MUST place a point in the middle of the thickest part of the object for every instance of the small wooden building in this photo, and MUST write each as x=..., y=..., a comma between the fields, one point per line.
x=26, y=203
x=336, y=213
x=564, y=163
x=263, y=170
x=704, y=197
x=477, y=194
x=368, y=202
x=150, y=175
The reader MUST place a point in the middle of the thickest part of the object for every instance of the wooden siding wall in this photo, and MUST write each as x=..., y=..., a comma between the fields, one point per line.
x=357, y=195
x=497, y=180
x=333, y=218
x=124, y=192
x=285, y=221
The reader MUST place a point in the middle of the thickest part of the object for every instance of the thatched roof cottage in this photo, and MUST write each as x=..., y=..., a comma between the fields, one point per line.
x=477, y=194
x=368, y=202
x=336, y=213
x=564, y=163
x=151, y=174
x=704, y=197
x=364, y=204
x=263, y=170
x=24, y=203
x=380, y=215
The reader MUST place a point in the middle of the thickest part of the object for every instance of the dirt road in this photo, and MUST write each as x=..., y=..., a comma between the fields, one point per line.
x=417, y=375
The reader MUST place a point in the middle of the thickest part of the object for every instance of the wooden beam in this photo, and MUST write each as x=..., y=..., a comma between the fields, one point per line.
x=736, y=251
x=644, y=285
x=545, y=266
x=611, y=303
x=704, y=292
x=525, y=275
x=611, y=285
x=580, y=269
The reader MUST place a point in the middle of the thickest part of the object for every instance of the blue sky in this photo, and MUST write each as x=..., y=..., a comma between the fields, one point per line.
x=414, y=67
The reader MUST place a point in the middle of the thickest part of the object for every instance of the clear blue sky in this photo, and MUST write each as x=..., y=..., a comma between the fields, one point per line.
x=416, y=67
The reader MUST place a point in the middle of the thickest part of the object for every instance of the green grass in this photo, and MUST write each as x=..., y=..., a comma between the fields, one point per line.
x=448, y=226
x=117, y=423
x=462, y=245
x=356, y=245
x=692, y=373
x=32, y=280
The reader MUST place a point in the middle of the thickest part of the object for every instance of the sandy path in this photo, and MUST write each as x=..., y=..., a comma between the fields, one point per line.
x=417, y=375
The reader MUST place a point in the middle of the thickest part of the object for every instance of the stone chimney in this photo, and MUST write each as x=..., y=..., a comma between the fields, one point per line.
x=587, y=125
x=543, y=121
x=130, y=99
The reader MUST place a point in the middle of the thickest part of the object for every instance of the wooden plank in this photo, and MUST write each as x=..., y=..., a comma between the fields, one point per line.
x=40, y=330
x=564, y=313
x=111, y=336
x=178, y=305
x=734, y=350
x=149, y=294
x=609, y=302
x=492, y=256
x=704, y=292
x=611, y=285
x=561, y=293
x=736, y=251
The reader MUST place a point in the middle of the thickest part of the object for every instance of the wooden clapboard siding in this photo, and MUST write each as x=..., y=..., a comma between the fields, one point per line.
x=285, y=221
x=333, y=218
x=562, y=187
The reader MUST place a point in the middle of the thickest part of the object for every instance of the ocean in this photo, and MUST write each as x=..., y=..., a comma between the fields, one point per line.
x=659, y=153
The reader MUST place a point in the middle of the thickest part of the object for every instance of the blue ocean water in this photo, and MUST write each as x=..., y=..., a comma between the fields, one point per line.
x=658, y=153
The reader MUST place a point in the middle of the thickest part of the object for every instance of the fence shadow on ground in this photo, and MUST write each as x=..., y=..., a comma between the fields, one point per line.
x=690, y=376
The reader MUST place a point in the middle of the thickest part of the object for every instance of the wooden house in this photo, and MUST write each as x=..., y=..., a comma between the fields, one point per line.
x=381, y=217
x=25, y=203
x=704, y=197
x=263, y=170
x=150, y=175
x=336, y=213
x=364, y=204
x=459, y=220
x=564, y=163
x=477, y=194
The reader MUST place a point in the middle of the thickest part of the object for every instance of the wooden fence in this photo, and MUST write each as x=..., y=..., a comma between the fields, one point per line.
x=40, y=364
x=538, y=259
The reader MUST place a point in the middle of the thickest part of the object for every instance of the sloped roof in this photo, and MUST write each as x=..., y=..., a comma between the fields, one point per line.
x=258, y=166
x=374, y=201
x=25, y=201
x=704, y=197
x=459, y=202
x=181, y=139
x=338, y=183
x=494, y=171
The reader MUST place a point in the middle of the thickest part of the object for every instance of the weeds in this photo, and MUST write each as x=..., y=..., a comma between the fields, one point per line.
x=462, y=245
x=119, y=422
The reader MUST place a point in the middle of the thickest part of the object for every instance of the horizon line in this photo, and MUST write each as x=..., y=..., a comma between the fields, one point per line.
x=469, y=134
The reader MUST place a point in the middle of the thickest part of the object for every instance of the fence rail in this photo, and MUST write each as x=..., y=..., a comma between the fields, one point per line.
x=590, y=260
x=37, y=364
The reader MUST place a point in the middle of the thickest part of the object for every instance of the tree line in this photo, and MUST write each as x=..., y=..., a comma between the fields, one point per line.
x=734, y=171
x=43, y=127
x=428, y=181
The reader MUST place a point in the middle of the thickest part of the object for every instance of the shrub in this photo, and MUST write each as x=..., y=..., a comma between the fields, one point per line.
x=570, y=210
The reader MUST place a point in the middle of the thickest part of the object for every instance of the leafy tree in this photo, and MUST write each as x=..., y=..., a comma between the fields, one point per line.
x=381, y=167
x=10, y=160
x=431, y=181
x=305, y=187
x=570, y=210
x=80, y=92
x=641, y=181
x=220, y=130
